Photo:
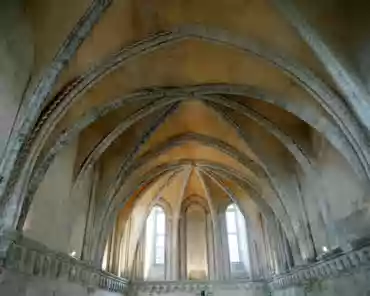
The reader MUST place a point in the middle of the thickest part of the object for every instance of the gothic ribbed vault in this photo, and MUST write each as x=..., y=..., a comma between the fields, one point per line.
x=132, y=104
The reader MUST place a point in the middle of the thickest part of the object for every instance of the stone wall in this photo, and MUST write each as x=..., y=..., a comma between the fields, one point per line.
x=57, y=217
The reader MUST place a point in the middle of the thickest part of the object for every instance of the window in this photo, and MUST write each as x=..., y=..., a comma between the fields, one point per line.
x=160, y=232
x=232, y=233
x=155, y=245
x=237, y=241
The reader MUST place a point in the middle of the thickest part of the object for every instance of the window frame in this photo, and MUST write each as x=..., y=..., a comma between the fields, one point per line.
x=158, y=211
x=233, y=208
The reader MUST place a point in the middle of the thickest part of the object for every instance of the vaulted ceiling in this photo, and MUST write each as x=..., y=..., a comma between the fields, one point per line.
x=218, y=96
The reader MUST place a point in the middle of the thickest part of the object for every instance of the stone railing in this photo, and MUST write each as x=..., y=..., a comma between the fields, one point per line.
x=194, y=287
x=342, y=264
x=32, y=258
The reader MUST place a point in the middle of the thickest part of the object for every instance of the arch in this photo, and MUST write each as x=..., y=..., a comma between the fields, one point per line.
x=157, y=200
x=158, y=246
x=194, y=198
x=289, y=143
x=149, y=177
x=18, y=148
x=330, y=102
x=195, y=240
x=204, y=140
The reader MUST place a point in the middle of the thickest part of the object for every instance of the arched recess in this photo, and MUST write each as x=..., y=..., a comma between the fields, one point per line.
x=196, y=240
x=221, y=205
x=145, y=267
x=267, y=260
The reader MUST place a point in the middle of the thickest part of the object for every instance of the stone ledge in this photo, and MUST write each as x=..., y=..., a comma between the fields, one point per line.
x=162, y=287
x=29, y=257
x=25, y=256
x=344, y=263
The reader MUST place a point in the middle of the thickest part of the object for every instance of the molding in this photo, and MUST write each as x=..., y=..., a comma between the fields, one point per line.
x=30, y=257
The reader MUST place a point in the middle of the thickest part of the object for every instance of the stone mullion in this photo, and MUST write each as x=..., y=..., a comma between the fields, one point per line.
x=223, y=250
x=168, y=250
x=174, y=249
x=116, y=249
x=182, y=243
x=281, y=251
x=254, y=262
x=269, y=248
x=91, y=211
x=210, y=248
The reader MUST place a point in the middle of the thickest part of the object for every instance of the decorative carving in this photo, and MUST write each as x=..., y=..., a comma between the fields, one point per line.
x=197, y=287
x=342, y=264
x=29, y=257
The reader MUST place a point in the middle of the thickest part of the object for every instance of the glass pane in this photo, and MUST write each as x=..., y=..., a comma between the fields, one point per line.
x=160, y=228
x=160, y=241
x=159, y=255
x=230, y=222
x=233, y=248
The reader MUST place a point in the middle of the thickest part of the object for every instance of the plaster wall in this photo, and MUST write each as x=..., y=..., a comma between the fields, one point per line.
x=344, y=25
x=56, y=216
x=334, y=181
x=51, y=22
x=196, y=243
